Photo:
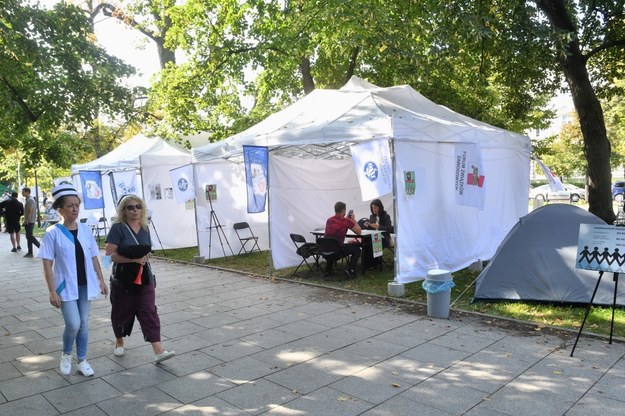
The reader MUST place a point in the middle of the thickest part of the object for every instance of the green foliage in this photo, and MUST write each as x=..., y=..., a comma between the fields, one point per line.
x=459, y=55
x=54, y=79
x=614, y=111
x=564, y=154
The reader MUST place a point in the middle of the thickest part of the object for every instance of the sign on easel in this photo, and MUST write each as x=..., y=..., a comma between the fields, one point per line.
x=601, y=247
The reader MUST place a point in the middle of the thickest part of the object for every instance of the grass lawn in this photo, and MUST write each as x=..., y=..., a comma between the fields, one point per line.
x=375, y=282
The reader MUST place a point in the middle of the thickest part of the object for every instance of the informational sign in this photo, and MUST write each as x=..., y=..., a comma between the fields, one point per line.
x=376, y=243
x=601, y=247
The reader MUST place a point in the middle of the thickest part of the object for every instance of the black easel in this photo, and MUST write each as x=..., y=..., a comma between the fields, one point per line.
x=156, y=232
x=590, y=305
x=214, y=223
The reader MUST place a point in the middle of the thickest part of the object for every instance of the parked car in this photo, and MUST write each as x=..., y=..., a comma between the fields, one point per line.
x=570, y=193
x=618, y=191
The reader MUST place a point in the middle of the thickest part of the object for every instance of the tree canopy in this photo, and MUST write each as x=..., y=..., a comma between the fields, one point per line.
x=275, y=51
x=54, y=82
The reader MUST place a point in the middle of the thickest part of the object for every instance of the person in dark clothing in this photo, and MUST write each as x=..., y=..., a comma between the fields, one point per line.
x=380, y=221
x=13, y=211
x=131, y=300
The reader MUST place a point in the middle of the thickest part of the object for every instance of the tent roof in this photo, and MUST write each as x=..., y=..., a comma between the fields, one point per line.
x=324, y=124
x=536, y=261
x=136, y=152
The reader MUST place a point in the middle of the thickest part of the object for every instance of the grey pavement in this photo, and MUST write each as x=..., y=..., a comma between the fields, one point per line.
x=248, y=346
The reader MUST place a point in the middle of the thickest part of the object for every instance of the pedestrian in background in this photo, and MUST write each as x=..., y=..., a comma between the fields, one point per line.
x=73, y=275
x=13, y=211
x=30, y=218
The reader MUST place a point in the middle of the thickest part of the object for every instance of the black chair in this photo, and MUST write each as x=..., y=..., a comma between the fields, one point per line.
x=331, y=250
x=100, y=229
x=306, y=250
x=246, y=236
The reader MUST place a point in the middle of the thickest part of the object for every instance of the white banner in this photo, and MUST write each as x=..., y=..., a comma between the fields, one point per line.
x=374, y=168
x=182, y=180
x=554, y=182
x=470, y=176
x=124, y=183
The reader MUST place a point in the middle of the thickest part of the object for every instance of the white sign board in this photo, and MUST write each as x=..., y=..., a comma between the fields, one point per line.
x=601, y=248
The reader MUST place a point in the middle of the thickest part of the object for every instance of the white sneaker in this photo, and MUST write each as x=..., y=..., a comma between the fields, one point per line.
x=165, y=355
x=84, y=368
x=66, y=364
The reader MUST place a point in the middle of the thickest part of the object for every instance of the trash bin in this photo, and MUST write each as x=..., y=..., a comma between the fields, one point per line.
x=438, y=284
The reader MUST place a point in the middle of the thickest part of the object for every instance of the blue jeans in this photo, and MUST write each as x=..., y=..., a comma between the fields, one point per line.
x=76, y=316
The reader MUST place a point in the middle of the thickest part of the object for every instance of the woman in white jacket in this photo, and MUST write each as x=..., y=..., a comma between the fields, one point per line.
x=73, y=275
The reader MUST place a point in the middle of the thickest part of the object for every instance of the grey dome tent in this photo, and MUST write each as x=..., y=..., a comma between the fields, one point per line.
x=536, y=262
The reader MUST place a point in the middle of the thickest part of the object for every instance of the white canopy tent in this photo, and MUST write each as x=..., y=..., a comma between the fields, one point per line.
x=150, y=159
x=310, y=168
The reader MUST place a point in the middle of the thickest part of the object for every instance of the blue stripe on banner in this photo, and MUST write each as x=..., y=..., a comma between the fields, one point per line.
x=255, y=158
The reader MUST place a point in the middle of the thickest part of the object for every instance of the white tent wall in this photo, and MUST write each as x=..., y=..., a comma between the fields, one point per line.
x=230, y=208
x=173, y=224
x=433, y=231
x=303, y=194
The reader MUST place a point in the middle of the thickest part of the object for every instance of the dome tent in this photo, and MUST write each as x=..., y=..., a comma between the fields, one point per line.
x=536, y=262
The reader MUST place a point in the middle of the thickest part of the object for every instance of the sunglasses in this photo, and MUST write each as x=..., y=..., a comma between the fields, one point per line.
x=133, y=207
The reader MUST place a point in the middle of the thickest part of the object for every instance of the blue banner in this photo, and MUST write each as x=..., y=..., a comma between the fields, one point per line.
x=255, y=158
x=92, y=194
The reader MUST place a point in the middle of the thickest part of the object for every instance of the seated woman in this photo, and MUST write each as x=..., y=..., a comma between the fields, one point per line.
x=381, y=221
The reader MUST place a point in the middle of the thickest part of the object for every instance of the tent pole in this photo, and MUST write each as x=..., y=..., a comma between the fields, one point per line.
x=394, y=163
x=269, y=259
x=197, y=231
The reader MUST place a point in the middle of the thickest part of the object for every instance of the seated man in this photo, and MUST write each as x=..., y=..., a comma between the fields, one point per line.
x=336, y=227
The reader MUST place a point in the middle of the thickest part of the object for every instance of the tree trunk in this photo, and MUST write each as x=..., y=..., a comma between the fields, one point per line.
x=588, y=108
x=307, y=78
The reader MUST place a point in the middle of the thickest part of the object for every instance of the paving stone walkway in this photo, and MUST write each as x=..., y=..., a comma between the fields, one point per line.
x=250, y=346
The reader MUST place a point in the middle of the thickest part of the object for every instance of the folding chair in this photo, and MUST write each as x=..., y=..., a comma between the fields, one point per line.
x=331, y=250
x=245, y=236
x=305, y=250
x=99, y=229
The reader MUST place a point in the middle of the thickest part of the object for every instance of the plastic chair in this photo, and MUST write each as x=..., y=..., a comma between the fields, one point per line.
x=306, y=250
x=331, y=250
x=246, y=236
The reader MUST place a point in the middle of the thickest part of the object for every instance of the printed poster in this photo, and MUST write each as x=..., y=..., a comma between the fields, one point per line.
x=601, y=247
x=211, y=192
x=470, y=176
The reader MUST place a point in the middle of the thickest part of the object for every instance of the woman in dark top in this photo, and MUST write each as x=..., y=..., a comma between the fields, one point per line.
x=128, y=299
x=380, y=220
